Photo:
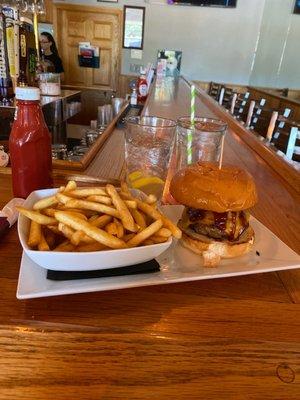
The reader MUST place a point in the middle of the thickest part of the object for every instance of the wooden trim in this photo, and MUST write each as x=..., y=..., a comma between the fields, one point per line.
x=92, y=9
x=99, y=89
x=287, y=172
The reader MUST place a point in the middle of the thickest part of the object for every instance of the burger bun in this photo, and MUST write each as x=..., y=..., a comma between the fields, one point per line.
x=213, y=251
x=203, y=185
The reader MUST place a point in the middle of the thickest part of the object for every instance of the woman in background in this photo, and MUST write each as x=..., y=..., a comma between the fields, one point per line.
x=49, y=54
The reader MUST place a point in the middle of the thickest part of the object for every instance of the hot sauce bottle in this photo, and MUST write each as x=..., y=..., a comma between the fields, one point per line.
x=142, y=87
x=30, y=145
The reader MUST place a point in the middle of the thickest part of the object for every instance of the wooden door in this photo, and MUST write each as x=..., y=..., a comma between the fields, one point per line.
x=99, y=26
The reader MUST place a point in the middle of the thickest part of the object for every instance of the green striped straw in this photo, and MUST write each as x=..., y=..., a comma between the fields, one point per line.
x=190, y=132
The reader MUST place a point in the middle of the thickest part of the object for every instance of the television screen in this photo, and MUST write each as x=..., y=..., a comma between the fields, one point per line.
x=297, y=7
x=206, y=3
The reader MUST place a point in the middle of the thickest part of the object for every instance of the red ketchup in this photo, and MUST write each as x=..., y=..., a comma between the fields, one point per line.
x=142, y=88
x=30, y=145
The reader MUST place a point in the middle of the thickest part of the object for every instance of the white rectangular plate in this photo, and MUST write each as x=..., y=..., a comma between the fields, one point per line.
x=177, y=265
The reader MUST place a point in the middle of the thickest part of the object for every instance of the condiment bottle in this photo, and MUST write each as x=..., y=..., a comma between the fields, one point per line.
x=133, y=97
x=142, y=87
x=29, y=145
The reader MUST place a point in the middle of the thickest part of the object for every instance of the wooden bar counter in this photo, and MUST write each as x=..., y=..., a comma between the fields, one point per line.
x=235, y=338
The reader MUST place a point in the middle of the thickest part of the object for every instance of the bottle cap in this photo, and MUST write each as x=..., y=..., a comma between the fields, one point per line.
x=27, y=93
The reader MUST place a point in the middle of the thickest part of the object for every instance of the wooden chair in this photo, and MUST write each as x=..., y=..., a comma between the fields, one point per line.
x=256, y=115
x=268, y=121
x=286, y=138
x=214, y=90
x=240, y=104
x=280, y=123
x=225, y=97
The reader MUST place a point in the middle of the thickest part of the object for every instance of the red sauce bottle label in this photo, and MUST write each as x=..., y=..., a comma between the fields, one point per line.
x=142, y=89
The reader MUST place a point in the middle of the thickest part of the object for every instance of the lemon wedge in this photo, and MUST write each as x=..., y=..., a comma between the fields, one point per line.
x=135, y=175
x=149, y=185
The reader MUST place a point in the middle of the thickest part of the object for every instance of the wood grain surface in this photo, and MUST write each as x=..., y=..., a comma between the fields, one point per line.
x=234, y=338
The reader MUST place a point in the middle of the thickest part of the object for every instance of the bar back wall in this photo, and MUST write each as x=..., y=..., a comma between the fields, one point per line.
x=255, y=43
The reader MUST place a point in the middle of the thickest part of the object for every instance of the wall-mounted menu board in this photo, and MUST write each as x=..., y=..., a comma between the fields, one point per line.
x=205, y=3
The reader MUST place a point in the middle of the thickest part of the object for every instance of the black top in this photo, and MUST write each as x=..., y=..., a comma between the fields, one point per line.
x=54, y=63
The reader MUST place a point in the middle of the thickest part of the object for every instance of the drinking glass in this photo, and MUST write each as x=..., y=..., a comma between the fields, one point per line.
x=105, y=114
x=200, y=141
x=49, y=84
x=148, y=146
x=117, y=103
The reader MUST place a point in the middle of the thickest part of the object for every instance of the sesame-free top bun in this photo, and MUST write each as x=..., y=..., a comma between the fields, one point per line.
x=203, y=185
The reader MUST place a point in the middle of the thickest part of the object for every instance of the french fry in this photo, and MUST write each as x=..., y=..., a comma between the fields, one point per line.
x=61, y=189
x=88, y=191
x=148, y=242
x=71, y=185
x=128, y=236
x=151, y=199
x=77, y=214
x=45, y=203
x=79, y=237
x=92, y=247
x=139, y=218
x=131, y=204
x=120, y=228
x=164, y=232
x=35, y=234
x=49, y=237
x=111, y=228
x=93, y=218
x=97, y=221
x=158, y=239
x=43, y=245
x=87, y=213
x=65, y=246
x=62, y=198
x=49, y=211
x=90, y=205
x=120, y=205
x=101, y=221
x=145, y=233
x=36, y=216
x=55, y=229
x=155, y=214
x=126, y=196
x=66, y=231
x=124, y=187
x=98, y=234
x=100, y=199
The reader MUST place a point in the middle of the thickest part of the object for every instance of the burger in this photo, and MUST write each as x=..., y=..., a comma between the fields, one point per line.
x=215, y=221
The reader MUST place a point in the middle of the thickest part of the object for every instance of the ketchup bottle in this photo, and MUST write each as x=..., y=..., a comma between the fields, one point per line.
x=142, y=87
x=29, y=145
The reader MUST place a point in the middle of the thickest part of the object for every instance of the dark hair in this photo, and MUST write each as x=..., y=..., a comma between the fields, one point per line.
x=50, y=38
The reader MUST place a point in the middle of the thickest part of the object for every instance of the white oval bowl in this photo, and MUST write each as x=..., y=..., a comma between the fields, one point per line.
x=86, y=261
